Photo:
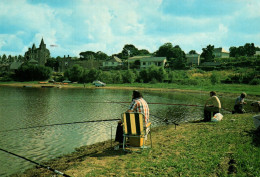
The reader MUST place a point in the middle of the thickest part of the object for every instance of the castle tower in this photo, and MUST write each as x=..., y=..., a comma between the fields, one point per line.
x=40, y=55
x=42, y=45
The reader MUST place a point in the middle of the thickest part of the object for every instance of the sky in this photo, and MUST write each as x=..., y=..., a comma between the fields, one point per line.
x=69, y=27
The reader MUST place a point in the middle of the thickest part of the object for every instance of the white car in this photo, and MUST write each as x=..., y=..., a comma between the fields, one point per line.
x=98, y=83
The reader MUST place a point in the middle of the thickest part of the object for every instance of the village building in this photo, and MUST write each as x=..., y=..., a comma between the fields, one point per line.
x=114, y=62
x=257, y=53
x=193, y=59
x=39, y=55
x=220, y=53
x=148, y=61
x=15, y=65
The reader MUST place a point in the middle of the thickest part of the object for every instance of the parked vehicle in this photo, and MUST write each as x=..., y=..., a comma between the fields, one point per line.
x=98, y=83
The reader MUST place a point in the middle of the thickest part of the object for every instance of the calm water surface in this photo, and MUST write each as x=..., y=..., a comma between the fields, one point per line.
x=30, y=107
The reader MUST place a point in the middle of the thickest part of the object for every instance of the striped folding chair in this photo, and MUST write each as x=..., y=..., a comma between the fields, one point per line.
x=135, y=129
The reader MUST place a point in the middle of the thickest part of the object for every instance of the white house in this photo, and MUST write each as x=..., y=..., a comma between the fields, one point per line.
x=220, y=53
x=147, y=61
x=257, y=53
x=193, y=59
x=114, y=62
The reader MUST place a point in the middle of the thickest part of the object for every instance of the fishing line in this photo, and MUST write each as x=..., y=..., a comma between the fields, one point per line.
x=40, y=126
x=171, y=104
x=43, y=166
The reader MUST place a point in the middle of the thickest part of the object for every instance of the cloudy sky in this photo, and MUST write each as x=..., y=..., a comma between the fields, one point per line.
x=74, y=26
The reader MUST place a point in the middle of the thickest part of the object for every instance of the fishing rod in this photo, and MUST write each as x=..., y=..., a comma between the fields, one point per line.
x=49, y=125
x=43, y=166
x=171, y=104
x=164, y=120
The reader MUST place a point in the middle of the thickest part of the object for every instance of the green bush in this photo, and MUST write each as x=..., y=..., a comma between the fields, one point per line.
x=215, y=78
x=29, y=72
x=255, y=81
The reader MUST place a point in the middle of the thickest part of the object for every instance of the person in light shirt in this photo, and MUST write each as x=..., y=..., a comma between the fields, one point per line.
x=212, y=105
x=138, y=105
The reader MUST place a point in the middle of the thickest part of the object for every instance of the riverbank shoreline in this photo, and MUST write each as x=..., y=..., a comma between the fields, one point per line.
x=144, y=87
x=192, y=149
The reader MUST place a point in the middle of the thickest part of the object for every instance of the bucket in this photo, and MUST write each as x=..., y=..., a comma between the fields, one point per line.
x=136, y=141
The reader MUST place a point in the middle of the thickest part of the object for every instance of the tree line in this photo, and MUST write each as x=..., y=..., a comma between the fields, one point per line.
x=176, y=59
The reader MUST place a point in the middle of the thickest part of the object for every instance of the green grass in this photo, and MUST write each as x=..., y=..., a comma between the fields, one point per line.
x=226, y=148
x=225, y=88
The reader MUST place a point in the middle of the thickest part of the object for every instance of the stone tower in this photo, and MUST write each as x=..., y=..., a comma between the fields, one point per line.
x=39, y=55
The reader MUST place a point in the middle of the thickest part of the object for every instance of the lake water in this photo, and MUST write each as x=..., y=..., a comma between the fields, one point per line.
x=31, y=107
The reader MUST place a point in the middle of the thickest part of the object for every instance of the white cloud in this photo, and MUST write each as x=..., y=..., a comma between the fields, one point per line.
x=108, y=25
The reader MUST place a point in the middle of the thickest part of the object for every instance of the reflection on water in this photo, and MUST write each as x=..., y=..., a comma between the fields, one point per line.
x=29, y=107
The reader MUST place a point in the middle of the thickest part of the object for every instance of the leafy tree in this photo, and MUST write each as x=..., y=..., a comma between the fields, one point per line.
x=52, y=63
x=233, y=52
x=249, y=49
x=106, y=77
x=20, y=58
x=144, y=76
x=192, y=52
x=93, y=74
x=87, y=55
x=207, y=53
x=143, y=52
x=10, y=58
x=74, y=74
x=101, y=56
x=156, y=73
x=166, y=50
x=129, y=50
x=215, y=78
x=117, y=78
x=4, y=58
x=129, y=77
x=175, y=55
x=29, y=72
x=136, y=64
x=246, y=50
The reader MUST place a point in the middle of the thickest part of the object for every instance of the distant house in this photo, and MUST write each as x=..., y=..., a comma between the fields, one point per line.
x=147, y=61
x=220, y=53
x=114, y=62
x=15, y=65
x=257, y=53
x=193, y=59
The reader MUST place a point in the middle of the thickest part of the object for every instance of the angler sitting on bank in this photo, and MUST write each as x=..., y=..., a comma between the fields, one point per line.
x=212, y=105
x=138, y=105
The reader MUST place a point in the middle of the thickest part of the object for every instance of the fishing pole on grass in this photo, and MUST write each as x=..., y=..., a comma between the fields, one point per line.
x=43, y=166
x=69, y=123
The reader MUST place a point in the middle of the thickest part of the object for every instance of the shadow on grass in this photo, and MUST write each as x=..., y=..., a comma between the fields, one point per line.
x=255, y=134
x=108, y=152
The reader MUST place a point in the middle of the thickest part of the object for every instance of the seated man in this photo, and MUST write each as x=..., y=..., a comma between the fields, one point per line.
x=138, y=105
x=212, y=105
x=240, y=101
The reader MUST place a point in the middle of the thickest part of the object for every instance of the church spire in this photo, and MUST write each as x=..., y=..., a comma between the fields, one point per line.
x=42, y=45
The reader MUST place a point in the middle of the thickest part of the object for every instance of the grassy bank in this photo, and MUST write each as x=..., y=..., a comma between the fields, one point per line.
x=253, y=90
x=229, y=147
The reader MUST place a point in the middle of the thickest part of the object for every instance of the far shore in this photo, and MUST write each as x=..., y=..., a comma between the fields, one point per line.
x=253, y=92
